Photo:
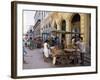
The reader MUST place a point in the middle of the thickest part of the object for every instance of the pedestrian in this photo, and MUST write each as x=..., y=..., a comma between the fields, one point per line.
x=63, y=43
x=57, y=41
x=31, y=43
x=81, y=46
x=24, y=52
x=46, y=50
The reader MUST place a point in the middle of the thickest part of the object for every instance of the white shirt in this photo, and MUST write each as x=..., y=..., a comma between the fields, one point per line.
x=46, y=50
x=81, y=46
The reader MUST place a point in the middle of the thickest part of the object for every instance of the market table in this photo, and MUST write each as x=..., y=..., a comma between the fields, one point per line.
x=64, y=56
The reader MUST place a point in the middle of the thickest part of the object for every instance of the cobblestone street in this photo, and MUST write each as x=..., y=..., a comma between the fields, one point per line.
x=34, y=59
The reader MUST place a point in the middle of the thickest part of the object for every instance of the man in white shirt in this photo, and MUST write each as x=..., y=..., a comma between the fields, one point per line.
x=81, y=46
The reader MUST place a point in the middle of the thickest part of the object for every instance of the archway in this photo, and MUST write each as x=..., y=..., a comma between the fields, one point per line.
x=55, y=25
x=63, y=28
x=75, y=25
x=63, y=35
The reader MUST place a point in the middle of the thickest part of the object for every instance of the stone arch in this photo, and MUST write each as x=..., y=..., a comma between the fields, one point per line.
x=75, y=23
x=69, y=27
x=63, y=25
x=72, y=15
x=55, y=25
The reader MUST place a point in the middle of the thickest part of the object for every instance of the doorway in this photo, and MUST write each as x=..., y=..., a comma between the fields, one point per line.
x=75, y=22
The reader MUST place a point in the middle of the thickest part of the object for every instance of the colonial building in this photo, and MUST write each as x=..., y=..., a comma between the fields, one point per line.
x=39, y=17
x=68, y=22
x=40, y=30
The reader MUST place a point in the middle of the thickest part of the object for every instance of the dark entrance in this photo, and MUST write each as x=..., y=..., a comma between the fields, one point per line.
x=63, y=28
x=75, y=25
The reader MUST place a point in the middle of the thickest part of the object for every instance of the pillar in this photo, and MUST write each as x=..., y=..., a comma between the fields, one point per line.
x=59, y=28
x=85, y=27
x=68, y=36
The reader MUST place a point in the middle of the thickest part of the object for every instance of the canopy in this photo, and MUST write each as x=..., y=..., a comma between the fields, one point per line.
x=66, y=32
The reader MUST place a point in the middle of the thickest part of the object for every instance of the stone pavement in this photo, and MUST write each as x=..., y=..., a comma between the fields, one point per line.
x=34, y=60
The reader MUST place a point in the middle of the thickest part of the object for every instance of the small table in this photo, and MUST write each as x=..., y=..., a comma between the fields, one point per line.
x=72, y=52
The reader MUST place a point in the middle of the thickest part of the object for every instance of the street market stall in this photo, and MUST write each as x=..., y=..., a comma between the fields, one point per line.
x=66, y=55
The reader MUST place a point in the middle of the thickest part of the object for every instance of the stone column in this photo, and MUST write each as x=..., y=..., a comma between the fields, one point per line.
x=85, y=27
x=88, y=29
x=59, y=28
x=82, y=26
x=68, y=36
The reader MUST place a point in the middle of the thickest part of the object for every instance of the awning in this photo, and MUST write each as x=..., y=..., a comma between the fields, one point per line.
x=66, y=32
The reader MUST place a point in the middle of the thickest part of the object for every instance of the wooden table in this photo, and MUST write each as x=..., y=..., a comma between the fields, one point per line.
x=72, y=52
x=63, y=55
